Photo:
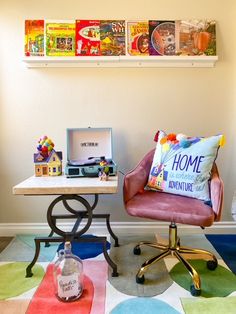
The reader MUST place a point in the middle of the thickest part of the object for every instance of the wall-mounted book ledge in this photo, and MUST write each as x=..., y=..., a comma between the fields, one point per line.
x=122, y=62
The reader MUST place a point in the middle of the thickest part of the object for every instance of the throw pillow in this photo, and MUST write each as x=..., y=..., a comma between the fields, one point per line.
x=182, y=165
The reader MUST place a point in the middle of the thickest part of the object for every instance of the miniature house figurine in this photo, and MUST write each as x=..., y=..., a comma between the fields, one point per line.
x=47, y=161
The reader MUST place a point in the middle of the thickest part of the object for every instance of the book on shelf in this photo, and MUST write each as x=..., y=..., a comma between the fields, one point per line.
x=87, y=38
x=161, y=38
x=34, y=38
x=196, y=37
x=137, y=38
x=112, y=37
x=60, y=38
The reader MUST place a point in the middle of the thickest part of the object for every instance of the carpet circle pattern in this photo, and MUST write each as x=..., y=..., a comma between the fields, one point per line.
x=157, y=279
x=217, y=283
x=143, y=306
x=13, y=281
x=86, y=250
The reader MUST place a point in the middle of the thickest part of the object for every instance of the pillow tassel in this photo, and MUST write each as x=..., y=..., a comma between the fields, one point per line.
x=156, y=136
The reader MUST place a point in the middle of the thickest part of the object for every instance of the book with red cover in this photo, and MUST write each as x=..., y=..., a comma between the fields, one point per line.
x=87, y=38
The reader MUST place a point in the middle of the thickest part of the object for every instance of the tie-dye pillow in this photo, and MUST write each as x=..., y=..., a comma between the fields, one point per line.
x=182, y=165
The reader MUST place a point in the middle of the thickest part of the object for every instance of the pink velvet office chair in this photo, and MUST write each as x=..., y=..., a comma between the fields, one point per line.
x=174, y=209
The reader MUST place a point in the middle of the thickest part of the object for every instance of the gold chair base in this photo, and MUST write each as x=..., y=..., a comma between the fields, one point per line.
x=175, y=249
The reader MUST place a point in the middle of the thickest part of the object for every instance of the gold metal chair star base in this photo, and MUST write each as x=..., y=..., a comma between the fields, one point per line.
x=175, y=249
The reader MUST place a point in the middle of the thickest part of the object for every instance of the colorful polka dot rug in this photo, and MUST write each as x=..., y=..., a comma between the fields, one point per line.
x=165, y=290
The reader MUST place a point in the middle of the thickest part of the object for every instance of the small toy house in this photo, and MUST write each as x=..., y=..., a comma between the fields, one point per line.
x=49, y=165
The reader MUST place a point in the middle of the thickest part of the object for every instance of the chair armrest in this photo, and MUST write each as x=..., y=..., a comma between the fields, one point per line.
x=216, y=192
x=136, y=179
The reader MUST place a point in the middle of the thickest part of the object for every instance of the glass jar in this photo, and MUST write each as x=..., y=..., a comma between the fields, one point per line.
x=68, y=275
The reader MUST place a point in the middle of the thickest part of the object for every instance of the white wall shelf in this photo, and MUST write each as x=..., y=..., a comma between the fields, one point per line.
x=122, y=62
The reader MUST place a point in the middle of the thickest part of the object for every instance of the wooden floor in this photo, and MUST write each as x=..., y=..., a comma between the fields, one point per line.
x=4, y=241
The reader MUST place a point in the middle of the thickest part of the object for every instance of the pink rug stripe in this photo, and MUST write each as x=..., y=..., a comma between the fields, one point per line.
x=98, y=273
x=92, y=300
x=45, y=301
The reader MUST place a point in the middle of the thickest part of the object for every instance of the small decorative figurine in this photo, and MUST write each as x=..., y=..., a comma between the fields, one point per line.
x=47, y=161
x=104, y=171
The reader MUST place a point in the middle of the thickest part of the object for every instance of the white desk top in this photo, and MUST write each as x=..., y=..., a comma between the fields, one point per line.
x=59, y=185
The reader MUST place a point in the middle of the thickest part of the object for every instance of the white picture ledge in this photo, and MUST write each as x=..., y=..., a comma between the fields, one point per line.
x=122, y=62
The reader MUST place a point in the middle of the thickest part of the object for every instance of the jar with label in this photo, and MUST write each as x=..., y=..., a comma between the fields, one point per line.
x=68, y=275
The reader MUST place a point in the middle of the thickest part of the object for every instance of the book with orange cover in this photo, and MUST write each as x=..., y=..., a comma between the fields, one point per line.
x=196, y=37
x=34, y=38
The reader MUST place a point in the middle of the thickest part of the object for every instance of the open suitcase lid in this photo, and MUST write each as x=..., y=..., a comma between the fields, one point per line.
x=87, y=146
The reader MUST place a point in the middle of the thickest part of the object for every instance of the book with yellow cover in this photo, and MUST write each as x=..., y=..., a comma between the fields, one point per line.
x=60, y=38
x=138, y=38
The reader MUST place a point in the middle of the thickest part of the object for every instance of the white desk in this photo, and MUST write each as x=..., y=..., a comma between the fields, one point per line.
x=59, y=185
x=67, y=189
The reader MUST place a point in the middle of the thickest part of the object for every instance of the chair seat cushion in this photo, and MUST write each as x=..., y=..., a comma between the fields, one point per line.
x=170, y=207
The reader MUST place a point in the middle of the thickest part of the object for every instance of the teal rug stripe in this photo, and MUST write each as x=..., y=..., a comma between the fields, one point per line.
x=22, y=249
x=47, y=253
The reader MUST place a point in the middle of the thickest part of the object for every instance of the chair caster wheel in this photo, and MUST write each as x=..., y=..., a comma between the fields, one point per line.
x=137, y=250
x=195, y=292
x=140, y=279
x=211, y=265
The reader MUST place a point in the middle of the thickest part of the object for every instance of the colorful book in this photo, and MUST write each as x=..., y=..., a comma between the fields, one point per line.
x=162, y=38
x=87, y=38
x=137, y=38
x=34, y=38
x=196, y=37
x=112, y=37
x=60, y=38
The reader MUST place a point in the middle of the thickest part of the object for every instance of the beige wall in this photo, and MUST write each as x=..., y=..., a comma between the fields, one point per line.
x=134, y=102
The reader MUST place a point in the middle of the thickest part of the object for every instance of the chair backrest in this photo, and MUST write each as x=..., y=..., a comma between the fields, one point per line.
x=136, y=180
x=216, y=192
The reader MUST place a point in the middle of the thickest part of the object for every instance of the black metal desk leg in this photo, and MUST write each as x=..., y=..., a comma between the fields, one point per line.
x=37, y=250
x=47, y=244
x=110, y=230
x=108, y=259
